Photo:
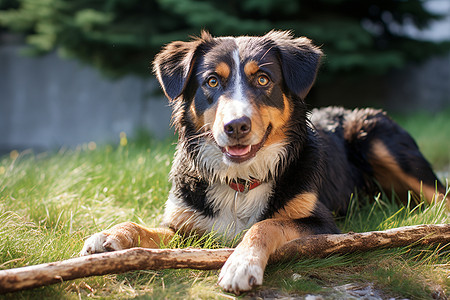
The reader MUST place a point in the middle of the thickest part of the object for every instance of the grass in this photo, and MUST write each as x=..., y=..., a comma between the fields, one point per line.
x=431, y=131
x=50, y=202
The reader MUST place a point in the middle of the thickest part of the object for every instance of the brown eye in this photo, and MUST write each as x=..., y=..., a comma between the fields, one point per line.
x=263, y=80
x=213, y=82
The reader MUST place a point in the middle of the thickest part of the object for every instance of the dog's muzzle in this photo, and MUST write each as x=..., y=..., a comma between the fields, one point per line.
x=240, y=153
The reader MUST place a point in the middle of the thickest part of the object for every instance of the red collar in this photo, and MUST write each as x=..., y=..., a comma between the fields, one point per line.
x=242, y=185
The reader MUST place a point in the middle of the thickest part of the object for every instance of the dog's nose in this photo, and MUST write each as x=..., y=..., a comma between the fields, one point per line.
x=238, y=128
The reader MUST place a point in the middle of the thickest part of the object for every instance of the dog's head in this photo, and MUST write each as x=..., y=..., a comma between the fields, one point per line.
x=241, y=90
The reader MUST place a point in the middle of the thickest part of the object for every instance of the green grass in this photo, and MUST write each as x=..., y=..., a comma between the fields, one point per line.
x=50, y=202
x=432, y=134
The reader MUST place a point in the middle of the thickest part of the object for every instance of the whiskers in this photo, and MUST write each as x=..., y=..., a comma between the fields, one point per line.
x=203, y=133
x=270, y=48
x=200, y=134
x=265, y=64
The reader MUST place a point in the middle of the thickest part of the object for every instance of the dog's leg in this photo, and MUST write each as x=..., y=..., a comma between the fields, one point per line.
x=398, y=164
x=126, y=235
x=244, y=269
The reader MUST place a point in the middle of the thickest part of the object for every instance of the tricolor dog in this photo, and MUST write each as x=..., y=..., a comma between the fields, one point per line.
x=251, y=157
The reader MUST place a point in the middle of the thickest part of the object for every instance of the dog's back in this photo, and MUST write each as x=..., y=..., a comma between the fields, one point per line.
x=367, y=151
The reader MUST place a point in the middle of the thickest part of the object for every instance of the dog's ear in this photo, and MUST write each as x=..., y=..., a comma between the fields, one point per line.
x=173, y=65
x=299, y=61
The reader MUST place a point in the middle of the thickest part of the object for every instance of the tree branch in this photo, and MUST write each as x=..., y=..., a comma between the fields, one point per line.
x=208, y=259
x=327, y=244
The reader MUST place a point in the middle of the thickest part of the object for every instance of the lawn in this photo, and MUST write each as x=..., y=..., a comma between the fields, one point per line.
x=50, y=202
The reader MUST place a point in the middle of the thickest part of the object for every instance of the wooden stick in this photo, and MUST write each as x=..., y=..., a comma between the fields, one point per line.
x=208, y=259
x=327, y=244
x=111, y=263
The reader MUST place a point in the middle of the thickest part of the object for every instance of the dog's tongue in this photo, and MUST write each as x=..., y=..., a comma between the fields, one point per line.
x=239, y=150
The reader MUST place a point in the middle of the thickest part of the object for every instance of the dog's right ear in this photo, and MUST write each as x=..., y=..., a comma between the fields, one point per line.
x=173, y=65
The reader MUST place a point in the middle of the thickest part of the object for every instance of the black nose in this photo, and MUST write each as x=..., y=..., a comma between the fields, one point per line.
x=238, y=128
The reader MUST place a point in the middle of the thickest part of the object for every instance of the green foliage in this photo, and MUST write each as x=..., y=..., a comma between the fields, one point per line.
x=9, y=4
x=122, y=36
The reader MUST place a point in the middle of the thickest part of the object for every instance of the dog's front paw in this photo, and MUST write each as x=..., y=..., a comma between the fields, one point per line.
x=241, y=272
x=98, y=243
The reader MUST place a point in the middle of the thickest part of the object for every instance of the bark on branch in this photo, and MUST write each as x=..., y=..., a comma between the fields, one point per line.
x=207, y=259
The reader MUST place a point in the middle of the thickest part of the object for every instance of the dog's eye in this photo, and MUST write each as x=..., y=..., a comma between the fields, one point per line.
x=213, y=82
x=263, y=80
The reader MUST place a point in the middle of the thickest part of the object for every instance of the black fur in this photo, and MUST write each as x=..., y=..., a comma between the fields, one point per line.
x=328, y=152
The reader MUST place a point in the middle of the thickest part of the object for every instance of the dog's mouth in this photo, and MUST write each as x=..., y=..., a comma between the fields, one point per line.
x=240, y=153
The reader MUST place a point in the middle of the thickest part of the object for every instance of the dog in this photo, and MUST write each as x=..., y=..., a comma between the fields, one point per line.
x=252, y=158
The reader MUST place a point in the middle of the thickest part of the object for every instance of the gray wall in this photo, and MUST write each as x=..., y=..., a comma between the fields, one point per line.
x=420, y=86
x=49, y=102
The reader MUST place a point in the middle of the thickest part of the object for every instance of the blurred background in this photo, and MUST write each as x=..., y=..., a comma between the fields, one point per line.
x=77, y=71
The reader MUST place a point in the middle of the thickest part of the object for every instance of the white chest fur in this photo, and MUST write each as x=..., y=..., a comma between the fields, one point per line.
x=237, y=211
x=234, y=211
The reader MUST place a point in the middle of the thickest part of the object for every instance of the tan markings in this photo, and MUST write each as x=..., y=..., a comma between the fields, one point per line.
x=130, y=235
x=301, y=206
x=278, y=118
x=264, y=237
x=196, y=119
x=251, y=68
x=389, y=175
x=209, y=116
x=223, y=70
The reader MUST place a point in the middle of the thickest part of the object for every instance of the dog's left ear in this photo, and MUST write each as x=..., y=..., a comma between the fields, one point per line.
x=299, y=61
x=173, y=65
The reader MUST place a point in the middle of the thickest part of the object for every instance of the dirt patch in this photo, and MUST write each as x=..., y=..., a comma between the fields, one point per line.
x=348, y=291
